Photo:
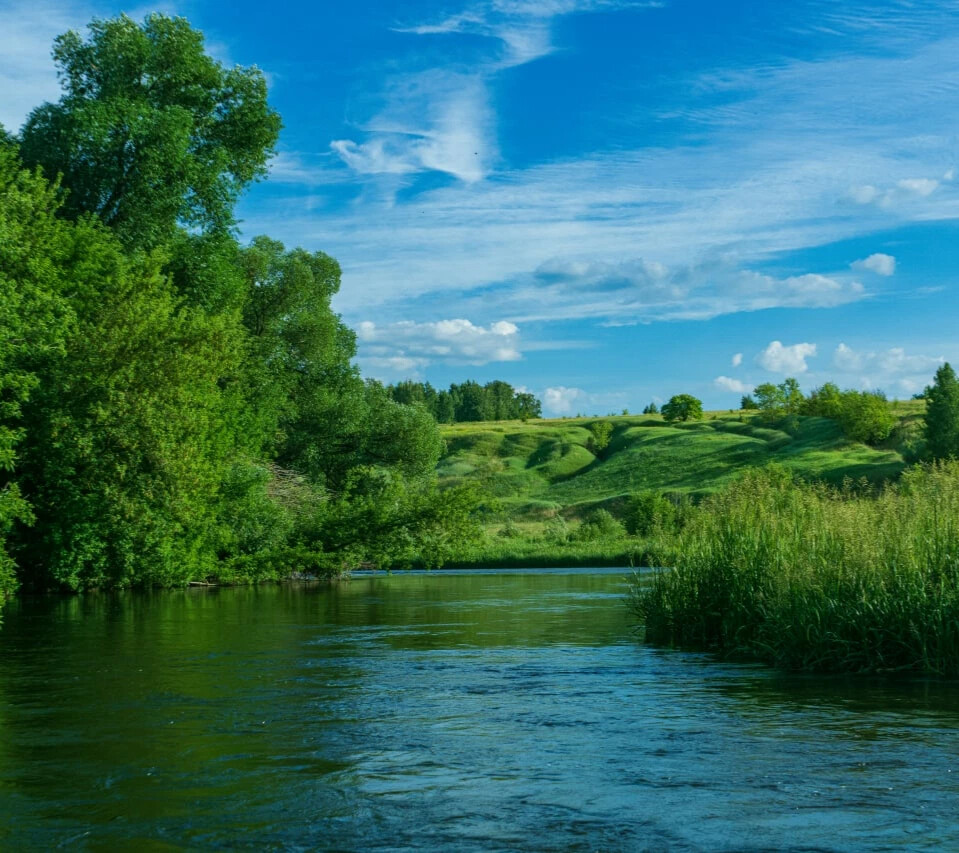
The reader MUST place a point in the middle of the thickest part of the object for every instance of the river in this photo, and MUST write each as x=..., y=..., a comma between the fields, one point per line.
x=443, y=711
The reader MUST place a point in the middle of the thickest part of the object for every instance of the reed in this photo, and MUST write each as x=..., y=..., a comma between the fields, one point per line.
x=811, y=577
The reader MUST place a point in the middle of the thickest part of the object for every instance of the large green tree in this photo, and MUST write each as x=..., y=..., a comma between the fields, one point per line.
x=151, y=131
x=942, y=414
x=682, y=407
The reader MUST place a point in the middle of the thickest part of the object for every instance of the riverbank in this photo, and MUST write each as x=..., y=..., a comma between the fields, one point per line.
x=808, y=577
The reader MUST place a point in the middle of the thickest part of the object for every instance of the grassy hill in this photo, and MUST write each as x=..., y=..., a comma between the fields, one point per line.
x=549, y=469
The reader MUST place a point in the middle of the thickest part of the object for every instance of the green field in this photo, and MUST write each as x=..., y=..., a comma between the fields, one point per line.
x=547, y=470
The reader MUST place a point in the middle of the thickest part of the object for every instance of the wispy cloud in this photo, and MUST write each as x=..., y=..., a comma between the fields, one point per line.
x=441, y=119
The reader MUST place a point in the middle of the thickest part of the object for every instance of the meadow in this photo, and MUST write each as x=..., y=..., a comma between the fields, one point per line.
x=545, y=478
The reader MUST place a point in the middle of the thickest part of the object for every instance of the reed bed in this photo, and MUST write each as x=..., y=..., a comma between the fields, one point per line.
x=810, y=577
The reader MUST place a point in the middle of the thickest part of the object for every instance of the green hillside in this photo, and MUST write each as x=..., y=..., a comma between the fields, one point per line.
x=549, y=469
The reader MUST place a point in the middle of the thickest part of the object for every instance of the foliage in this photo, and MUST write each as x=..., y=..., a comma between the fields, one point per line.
x=865, y=416
x=33, y=319
x=650, y=409
x=777, y=401
x=469, y=402
x=682, y=407
x=649, y=512
x=747, y=403
x=599, y=524
x=602, y=432
x=151, y=131
x=813, y=577
x=942, y=414
x=824, y=402
x=173, y=406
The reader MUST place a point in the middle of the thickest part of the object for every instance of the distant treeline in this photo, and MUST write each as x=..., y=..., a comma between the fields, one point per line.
x=469, y=401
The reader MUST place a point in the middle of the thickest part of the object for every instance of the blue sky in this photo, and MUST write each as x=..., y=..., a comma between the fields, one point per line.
x=604, y=202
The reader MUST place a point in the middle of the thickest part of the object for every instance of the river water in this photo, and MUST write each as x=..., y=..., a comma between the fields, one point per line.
x=443, y=711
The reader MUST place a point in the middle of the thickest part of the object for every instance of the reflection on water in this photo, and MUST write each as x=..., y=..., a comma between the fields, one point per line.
x=445, y=711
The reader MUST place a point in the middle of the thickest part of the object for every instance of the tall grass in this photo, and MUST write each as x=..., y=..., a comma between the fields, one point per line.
x=817, y=578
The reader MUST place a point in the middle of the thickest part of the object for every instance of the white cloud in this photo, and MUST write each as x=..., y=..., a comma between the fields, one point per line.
x=784, y=141
x=408, y=346
x=433, y=121
x=879, y=263
x=638, y=290
x=561, y=400
x=921, y=187
x=846, y=359
x=737, y=359
x=890, y=363
x=726, y=383
x=777, y=358
x=440, y=119
x=903, y=192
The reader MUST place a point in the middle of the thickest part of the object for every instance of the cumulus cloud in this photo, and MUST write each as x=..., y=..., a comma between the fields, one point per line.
x=777, y=358
x=409, y=346
x=560, y=400
x=737, y=359
x=879, y=263
x=894, y=362
x=726, y=383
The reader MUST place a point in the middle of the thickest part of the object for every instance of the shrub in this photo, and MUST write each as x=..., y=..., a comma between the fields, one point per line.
x=599, y=524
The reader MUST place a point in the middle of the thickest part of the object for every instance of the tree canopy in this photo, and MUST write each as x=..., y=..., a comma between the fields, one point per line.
x=682, y=407
x=151, y=131
x=942, y=414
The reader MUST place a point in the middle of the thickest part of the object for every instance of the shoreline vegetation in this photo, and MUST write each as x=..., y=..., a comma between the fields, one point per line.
x=807, y=576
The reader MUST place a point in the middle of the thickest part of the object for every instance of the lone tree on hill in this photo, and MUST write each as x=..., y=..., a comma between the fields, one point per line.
x=683, y=407
x=942, y=414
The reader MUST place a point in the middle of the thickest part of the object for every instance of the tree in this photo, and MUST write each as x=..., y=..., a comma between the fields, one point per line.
x=651, y=409
x=747, y=403
x=792, y=396
x=865, y=416
x=472, y=402
x=444, y=411
x=528, y=406
x=601, y=432
x=824, y=402
x=151, y=131
x=942, y=414
x=682, y=407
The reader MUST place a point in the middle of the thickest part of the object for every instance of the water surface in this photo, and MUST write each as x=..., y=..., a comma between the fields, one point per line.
x=443, y=711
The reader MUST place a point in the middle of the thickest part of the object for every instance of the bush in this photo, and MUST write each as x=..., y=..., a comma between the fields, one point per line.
x=601, y=432
x=648, y=512
x=864, y=416
x=599, y=524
